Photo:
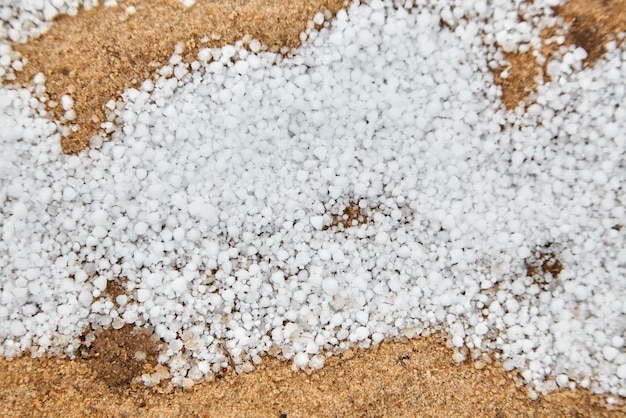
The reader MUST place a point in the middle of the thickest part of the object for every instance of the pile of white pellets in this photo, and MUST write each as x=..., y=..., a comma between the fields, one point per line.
x=216, y=200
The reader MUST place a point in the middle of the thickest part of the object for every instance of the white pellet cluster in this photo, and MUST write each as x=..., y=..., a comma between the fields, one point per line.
x=217, y=196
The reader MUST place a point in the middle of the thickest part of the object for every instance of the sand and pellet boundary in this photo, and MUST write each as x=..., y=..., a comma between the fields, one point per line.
x=95, y=56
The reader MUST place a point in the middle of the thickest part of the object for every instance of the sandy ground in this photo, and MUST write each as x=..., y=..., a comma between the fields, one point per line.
x=94, y=57
x=411, y=378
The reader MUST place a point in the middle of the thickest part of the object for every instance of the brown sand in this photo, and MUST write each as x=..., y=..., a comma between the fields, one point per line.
x=411, y=378
x=94, y=57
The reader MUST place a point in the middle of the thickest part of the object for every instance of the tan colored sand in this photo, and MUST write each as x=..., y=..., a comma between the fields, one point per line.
x=412, y=378
x=94, y=57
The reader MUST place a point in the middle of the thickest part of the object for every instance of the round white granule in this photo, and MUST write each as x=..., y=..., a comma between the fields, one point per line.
x=255, y=45
x=147, y=85
x=459, y=356
x=448, y=222
x=611, y=130
x=154, y=280
x=193, y=235
x=85, y=298
x=338, y=256
x=282, y=255
x=581, y=292
x=45, y=195
x=99, y=232
x=39, y=78
x=155, y=312
x=67, y=102
x=404, y=251
x=456, y=255
x=228, y=52
x=17, y=329
x=377, y=337
x=382, y=237
x=330, y=286
x=19, y=210
x=457, y=341
x=324, y=254
x=617, y=341
x=242, y=67
x=512, y=305
x=317, y=222
x=204, y=366
x=100, y=283
x=179, y=235
x=610, y=353
x=523, y=252
x=99, y=217
x=562, y=380
x=69, y=193
x=518, y=288
x=360, y=334
x=121, y=300
x=301, y=360
x=302, y=259
x=80, y=276
x=515, y=333
x=70, y=114
x=481, y=329
x=362, y=317
x=140, y=228
x=205, y=55
x=318, y=19
x=621, y=371
x=179, y=285
x=317, y=362
x=580, y=54
x=378, y=18
x=143, y=295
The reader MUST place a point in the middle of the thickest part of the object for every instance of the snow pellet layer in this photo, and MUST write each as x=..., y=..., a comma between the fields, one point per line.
x=214, y=203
